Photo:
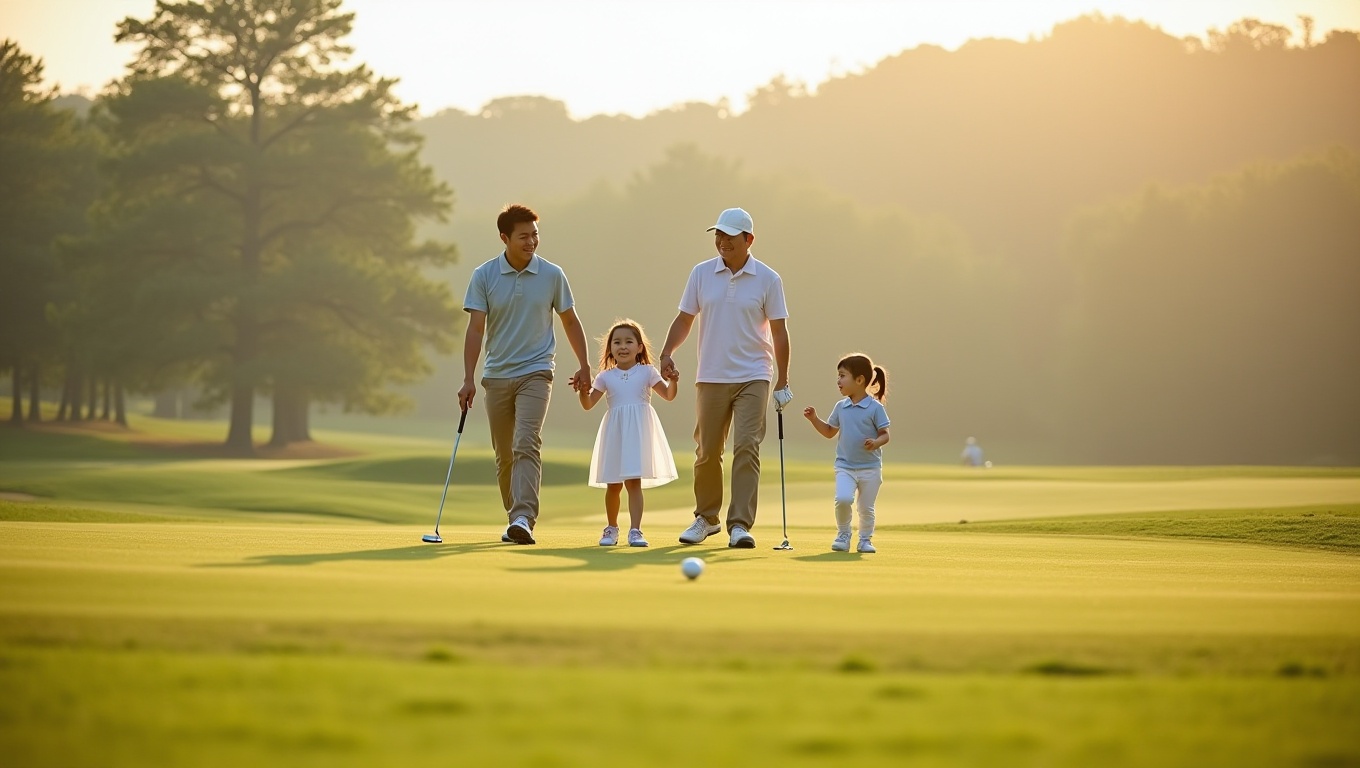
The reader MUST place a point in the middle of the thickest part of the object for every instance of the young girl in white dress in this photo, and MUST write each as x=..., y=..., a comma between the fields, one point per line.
x=630, y=449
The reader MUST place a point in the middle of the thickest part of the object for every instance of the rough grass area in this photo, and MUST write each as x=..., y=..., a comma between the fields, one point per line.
x=139, y=708
x=1334, y=527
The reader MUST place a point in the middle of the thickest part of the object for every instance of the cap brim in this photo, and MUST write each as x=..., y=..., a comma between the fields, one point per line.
x=726, y=230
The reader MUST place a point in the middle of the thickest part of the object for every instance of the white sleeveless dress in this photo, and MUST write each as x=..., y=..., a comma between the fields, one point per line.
x=631, y=443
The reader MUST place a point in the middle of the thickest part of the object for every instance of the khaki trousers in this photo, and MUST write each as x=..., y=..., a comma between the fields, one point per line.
x=515, y=409
x=740, y=408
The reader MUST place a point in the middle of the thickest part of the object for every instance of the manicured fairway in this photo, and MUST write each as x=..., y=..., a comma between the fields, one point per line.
x=262, y=613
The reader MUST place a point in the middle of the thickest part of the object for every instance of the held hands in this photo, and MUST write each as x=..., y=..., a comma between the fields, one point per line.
x=580, y=381
x=668, y=369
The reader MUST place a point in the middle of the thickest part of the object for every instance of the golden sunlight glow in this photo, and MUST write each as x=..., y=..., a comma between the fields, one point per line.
x=624, y=56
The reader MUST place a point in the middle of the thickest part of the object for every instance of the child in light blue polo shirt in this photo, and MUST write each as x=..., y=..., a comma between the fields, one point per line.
x=862, y=424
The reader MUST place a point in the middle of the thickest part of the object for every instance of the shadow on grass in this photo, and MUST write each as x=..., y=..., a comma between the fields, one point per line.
x=415, y=553
x=598, y=558
x=822, y=557
x=585, y=557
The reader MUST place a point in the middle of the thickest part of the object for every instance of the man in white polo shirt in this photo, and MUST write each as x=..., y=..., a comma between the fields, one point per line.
x=510, y=301
x=743, y=346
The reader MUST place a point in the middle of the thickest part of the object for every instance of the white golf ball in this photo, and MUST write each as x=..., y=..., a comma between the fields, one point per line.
x=692, y=567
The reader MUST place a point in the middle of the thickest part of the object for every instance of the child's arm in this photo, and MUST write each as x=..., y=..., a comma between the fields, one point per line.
x=826, y=430
x=590, y=396
x=874, y=443
x=668, y=388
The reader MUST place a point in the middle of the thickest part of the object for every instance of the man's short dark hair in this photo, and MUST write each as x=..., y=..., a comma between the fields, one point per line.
x=514, y=214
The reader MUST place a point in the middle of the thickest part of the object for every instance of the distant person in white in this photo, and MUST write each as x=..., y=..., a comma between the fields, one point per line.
x=972, y=453
x=743, y=346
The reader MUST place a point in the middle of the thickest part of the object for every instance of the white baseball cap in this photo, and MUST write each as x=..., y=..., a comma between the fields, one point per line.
x=734, y=221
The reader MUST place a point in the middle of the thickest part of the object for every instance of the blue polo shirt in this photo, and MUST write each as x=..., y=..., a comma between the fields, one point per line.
x=858, y=422
x=519, y=309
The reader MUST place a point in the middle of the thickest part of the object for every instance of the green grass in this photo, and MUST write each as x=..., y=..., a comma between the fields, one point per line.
x=1321, y=526
x=13, y=511
x=183, y=611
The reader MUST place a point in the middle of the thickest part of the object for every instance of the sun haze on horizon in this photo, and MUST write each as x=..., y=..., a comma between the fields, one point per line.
x=621, y=57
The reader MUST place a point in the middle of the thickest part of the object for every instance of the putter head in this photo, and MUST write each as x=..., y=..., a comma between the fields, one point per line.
x=784, y=546
x=432, y=538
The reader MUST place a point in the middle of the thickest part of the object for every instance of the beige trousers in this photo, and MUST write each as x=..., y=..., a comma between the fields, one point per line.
x=740, y=408
x=515, y=409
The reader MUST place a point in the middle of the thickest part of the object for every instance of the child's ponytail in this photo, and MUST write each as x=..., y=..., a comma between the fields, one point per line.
x=881, y=377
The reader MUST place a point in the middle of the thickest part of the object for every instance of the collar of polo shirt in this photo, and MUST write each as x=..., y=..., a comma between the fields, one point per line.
x=531, y=268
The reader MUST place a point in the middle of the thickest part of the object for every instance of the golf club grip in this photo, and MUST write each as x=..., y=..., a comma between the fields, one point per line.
x=781, y=424
x=462, y=419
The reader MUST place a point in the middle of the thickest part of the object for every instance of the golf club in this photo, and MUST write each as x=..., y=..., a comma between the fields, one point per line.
x=783, y=502
x=435, y=538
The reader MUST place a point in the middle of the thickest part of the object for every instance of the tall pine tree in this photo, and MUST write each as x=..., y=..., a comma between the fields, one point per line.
x=264, y=182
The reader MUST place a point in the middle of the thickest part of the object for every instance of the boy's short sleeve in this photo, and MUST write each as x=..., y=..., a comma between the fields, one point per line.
x=834, y=418
x=562, y=300
x=881, y=420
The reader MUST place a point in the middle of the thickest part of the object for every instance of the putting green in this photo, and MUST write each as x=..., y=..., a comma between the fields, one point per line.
x=224, y=612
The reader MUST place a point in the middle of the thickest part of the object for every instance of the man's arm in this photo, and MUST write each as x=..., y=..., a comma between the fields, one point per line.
x=576, y=336
x=472, y=350
x=676, y=336
x=779, y=333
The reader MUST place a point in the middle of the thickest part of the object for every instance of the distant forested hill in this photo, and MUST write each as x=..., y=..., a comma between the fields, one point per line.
x=970, y=217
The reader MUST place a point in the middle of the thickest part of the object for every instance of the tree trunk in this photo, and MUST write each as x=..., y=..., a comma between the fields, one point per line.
x=108, y=401
x=240, y=440
x=93, y=398
x=291, y=412
x=64, y=406
x=119, y=405
x=35, y=393
x=76, y=384
x=246, y=321
x=16, y=412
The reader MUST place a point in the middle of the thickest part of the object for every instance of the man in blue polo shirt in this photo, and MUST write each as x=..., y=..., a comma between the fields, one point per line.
x=510, y=302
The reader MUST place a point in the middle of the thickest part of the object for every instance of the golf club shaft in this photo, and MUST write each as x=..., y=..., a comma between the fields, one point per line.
x=783, y=503
x=449, y=475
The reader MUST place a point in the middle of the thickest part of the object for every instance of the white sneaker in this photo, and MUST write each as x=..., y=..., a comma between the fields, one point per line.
x=842, y=542
x=635, y=538
x=519, y=531
x=741, y=539
x=610, y=537
x=865, y=547
x=700, y=530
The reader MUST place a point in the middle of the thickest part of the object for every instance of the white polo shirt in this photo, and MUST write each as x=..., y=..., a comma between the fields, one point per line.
x=734, y=311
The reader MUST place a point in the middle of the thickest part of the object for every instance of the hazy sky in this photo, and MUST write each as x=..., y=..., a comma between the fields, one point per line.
x=636, y=56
